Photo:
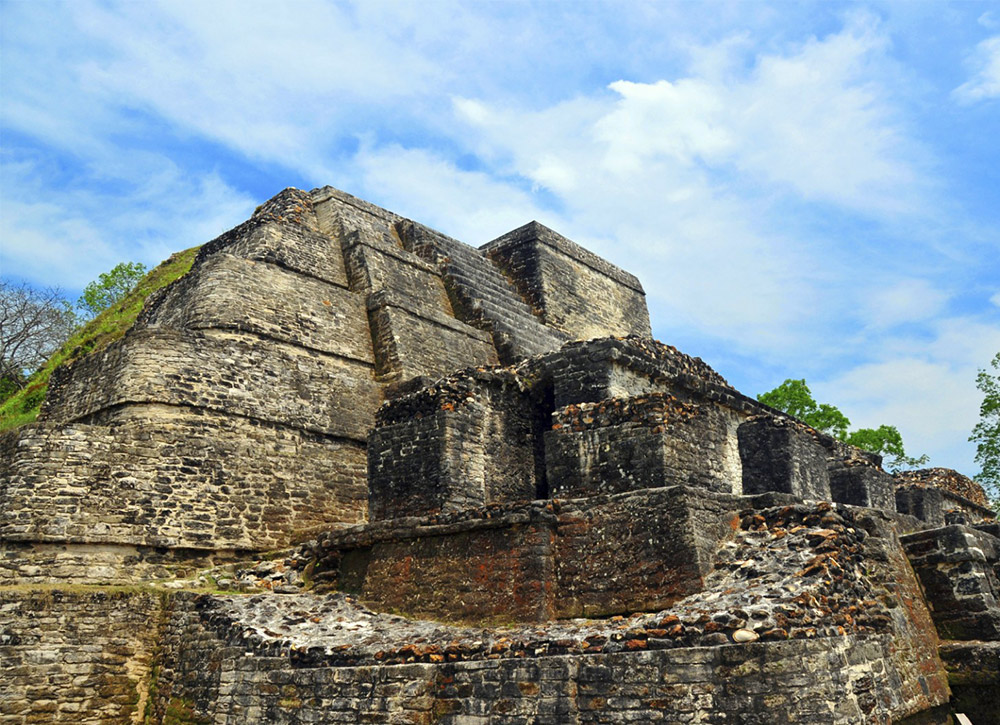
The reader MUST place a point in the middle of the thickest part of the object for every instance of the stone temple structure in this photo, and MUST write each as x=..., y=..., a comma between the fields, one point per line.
x=348, y=469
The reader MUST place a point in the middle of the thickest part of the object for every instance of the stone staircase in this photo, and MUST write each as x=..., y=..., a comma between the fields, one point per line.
x=482, y=296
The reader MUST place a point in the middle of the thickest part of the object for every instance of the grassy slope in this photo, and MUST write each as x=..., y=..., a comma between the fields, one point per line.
x=107, y=327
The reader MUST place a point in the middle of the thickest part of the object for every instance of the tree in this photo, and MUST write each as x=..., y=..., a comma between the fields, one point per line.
x=888, y=443
x=110, y=287
x=33, y=323
x=986, y=433
x=795, y=398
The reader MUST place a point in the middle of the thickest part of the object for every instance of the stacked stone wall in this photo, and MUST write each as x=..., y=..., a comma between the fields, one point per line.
x=76, y=657
x=157, y=476
x=232, y=375
x=641, y=442
x=574, y=290
x=957, y=566
x=847, y=639
x=284, y=231
x=260, y=298
x=464, y=443
x=742, y=685
x=412, y=322
x=639, y=551
x=599, y=556
x=482, y=296
x=429, y=345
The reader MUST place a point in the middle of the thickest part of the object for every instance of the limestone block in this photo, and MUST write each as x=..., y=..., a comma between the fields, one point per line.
x=339, y=213
x=642, y=442
x=225, y=292
x=483, y=571
x=176, y=477
x=226, y=373
x=588, y=372
x=463, y=443
x=924, y=502
x=431, y=344
x=862, y=485
x=957, y=570
x=638, y=551
x=783, y=456
x=574, y=290
x=76, y=657
x=289, y=240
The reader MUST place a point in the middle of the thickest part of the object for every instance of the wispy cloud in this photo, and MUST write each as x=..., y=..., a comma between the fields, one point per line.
x=985, y=81
x=71, y=237
x=781, y=177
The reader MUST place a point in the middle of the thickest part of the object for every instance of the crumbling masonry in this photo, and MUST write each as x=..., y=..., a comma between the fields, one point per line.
x=463, y=486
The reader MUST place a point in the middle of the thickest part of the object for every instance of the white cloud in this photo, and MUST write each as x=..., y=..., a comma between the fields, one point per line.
x=683, y=179
x=74, y=236
x=925, y=388
x=468, y=205
x=995, y=299
x=985, y=82
x=910, y=300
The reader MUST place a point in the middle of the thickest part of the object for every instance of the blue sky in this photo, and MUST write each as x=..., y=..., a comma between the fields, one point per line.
x=805, y=189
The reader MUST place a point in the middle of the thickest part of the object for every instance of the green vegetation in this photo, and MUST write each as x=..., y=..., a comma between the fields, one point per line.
x=986, y=434
x=110, y=288
x=105, y=328
x=795, y=398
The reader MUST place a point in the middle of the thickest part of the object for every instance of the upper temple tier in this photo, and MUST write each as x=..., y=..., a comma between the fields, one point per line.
x=234, y=416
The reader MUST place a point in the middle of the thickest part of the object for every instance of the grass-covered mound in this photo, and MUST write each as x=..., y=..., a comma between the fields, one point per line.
x=22, y=407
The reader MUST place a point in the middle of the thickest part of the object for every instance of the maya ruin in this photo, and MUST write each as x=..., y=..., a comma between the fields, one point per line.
x=350, y=470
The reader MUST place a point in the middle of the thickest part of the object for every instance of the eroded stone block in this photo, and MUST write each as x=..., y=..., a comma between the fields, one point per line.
x=956, y=566
x=643, y=442
x=861, y=485
x=574, y=290
x=461, y=444
x=923, y=502
x=781, y=455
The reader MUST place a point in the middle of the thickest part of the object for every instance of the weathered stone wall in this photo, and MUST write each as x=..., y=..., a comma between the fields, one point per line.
x=574, y=290
x=482, y=296
x=227, y=292
x=646, y=441
x=76, y=657
x=161, y=476
x=464, y=443
x=957, y=566
x=430, y=344
x=778, y=456
x=233, y=375
x=638, y=551
x=41, y=563
x=837, y=681
x=844, y=639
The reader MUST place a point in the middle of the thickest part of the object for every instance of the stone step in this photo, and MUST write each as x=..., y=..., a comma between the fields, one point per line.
x=487, y=298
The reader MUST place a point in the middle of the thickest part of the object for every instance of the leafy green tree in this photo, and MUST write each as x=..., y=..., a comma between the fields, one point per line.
x=795, y=398
x=110, y=287
x=986, y=434
x=888, y=443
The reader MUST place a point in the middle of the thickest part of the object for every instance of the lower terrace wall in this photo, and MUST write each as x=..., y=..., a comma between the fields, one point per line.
x=33, y=563
x=179, y=477
x=600, y=556
x=212, y=671
x=77, y=656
